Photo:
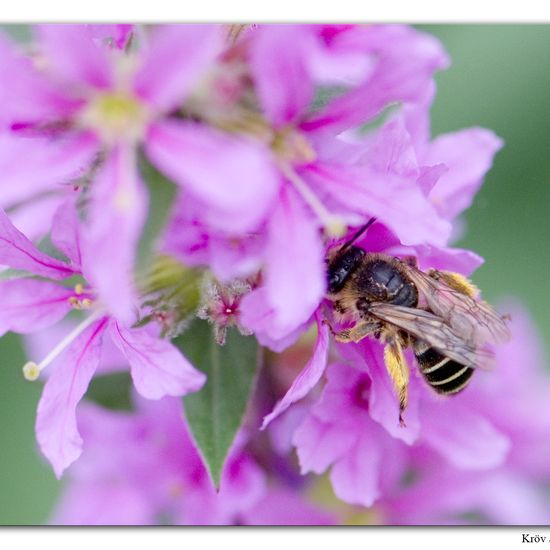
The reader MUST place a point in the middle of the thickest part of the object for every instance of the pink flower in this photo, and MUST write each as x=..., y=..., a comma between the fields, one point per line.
x=80, y=104
x=322, y=186
x=138, y=468
x=396, y=150
x=478, y=452
x=29, y=305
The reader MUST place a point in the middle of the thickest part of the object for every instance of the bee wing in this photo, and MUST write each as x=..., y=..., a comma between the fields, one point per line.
x=435, y=331
x=475, y=320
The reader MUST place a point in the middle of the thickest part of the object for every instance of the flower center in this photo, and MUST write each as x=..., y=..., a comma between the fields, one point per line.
x=293, y=147
x=220, y=305
x=116, y=116
x=82, y=297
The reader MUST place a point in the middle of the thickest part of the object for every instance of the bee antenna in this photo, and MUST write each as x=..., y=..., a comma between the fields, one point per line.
x=346, y=245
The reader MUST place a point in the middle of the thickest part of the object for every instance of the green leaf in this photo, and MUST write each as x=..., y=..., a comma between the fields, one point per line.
x=161, y=196
x=215, y=413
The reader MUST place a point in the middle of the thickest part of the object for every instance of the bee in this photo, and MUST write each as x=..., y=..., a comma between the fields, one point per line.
x=436, y=313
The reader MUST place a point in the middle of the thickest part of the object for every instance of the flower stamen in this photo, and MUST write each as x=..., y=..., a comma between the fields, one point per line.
x=333, y=225
x=32, y=370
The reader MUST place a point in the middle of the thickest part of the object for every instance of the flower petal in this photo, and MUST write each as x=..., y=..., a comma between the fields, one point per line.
x=259, y=317
x=355, y=477
x=278, y=64
x=406, y=62
x=177, y=57
x=447, y=259
x=290, y=259
x=17, y=252
x=396, y=201
x=392, y=151
x=56, y=427
x=193, y=241
x=34, y=218
x=33, y=165
x=118, y=207
x=74, y=56
x=26, y=95
x=89, y=502
x=319, y=444
x=157, y=367
x=473, y=443
x=308, y=377
x=29, y=305
x=468, y=155
x=287, y=507
x=65, y=234
x=336, y=55
x=235, y=191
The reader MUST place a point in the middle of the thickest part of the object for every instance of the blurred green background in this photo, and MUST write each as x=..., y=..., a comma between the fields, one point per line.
x=499, y=79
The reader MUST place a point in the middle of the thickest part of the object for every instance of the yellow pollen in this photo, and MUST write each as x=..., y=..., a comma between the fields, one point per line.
x=114, y=115
x=335, y=227
x=86, y=303
x=31, y=371
x=291, y=146
x=78, y=289
x=75, y=302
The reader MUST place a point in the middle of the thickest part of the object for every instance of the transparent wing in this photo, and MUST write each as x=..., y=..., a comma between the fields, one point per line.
x=436, y=332
x=475, y=320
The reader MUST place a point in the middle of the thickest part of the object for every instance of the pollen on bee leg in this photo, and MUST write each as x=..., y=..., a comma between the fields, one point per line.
x=456, y=281
x=31, y=371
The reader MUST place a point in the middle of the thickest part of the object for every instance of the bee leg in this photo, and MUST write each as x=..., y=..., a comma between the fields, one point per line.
x=357, y=332
x=398, y=371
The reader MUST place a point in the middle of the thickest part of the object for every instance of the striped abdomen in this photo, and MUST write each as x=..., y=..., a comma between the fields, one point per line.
x=443, y=374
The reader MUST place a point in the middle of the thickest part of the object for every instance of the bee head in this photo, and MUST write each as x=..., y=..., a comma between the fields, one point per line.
x=343, y=260
x=341, y=265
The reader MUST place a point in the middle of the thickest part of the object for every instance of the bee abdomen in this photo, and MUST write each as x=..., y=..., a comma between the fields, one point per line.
x=444, y=375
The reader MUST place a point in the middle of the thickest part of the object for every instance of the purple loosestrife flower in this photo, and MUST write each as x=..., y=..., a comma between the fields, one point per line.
x=396, y=150
x=79, y=109
x=482, y=451
x=30, y=304
x=143, y=468
x=320, y=188
x=354, y=422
